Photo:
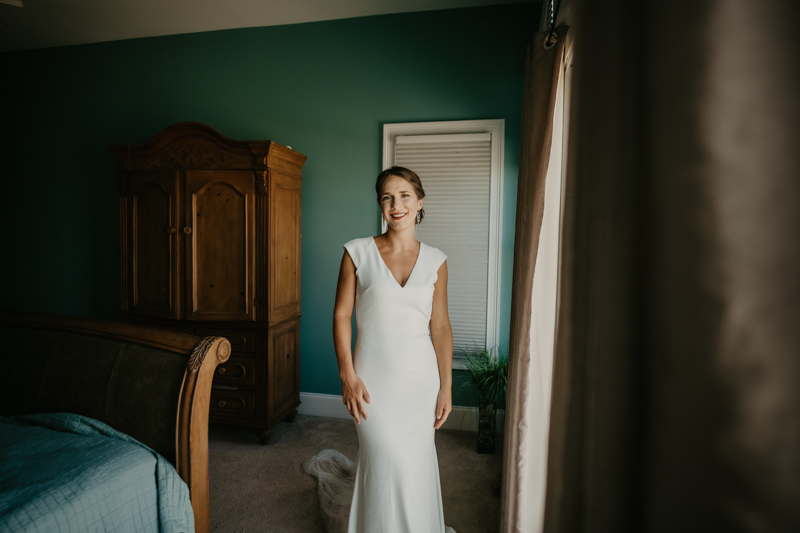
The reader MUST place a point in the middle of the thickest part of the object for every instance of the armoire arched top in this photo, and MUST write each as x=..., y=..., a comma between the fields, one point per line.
x=191, y=145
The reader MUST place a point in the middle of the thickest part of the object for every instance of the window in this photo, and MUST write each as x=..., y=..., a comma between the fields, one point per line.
x=460, y=164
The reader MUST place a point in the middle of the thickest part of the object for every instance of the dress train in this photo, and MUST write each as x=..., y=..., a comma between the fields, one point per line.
x=336, y=479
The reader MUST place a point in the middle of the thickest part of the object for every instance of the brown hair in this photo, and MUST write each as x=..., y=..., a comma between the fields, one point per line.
x=406, y=174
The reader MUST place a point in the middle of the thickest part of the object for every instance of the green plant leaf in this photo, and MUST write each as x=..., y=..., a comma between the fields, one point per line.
x=487, y=373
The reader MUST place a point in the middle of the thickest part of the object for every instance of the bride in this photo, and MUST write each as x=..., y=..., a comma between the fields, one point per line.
x=397, y=381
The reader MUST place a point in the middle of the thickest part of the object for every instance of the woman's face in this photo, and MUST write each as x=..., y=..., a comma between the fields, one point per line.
x=399, y=202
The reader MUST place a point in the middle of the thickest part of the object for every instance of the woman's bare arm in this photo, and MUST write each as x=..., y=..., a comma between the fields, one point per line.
x=354, y=392
x=442, y=338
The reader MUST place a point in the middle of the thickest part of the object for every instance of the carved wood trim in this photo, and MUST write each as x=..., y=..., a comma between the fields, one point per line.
x=185, y=145
x=191, y=153
x=200, y=351
x=262, y=182
x=262, y=247
x=191, y=145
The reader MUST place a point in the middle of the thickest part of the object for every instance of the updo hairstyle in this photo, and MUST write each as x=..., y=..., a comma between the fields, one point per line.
x=408, y=175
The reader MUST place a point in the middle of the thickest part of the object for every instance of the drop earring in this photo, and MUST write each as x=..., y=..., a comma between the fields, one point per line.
x=419, y=217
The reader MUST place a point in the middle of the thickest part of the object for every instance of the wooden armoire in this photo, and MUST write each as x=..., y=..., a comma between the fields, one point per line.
x=210, y=245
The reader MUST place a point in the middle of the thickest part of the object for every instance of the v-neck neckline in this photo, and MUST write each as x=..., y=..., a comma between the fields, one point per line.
x=413, y=269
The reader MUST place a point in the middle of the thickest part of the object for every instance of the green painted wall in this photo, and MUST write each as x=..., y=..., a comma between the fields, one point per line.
x=324, y=88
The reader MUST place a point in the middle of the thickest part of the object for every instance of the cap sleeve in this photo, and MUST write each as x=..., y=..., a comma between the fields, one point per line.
x=355, y=248
x=439, y=258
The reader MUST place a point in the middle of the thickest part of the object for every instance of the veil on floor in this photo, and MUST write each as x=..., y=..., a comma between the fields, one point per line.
x=336, y=475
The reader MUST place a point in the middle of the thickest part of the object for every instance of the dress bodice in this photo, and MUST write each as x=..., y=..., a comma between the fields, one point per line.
x=381, y=303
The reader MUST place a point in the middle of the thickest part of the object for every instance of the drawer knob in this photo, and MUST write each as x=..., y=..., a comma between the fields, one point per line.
x=187, y=230
x=171, y=230
x=221, y=404
x=221, y=370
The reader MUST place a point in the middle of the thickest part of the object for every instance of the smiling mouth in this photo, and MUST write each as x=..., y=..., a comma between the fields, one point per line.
x=398, y=217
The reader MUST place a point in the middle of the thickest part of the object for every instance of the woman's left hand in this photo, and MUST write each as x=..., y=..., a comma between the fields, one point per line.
x=444, y=404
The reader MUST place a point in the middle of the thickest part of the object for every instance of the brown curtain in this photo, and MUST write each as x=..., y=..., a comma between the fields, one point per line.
x=676, y=387
x=542, y=70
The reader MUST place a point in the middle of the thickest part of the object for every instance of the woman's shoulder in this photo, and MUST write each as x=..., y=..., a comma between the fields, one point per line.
x=357, y=249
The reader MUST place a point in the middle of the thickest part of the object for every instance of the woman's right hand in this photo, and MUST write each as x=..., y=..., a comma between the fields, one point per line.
x=354, y=394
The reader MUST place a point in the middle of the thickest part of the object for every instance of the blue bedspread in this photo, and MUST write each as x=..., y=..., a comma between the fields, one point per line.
x=63, y=472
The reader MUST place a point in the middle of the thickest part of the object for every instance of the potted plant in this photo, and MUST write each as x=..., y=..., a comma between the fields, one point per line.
x=487, y=378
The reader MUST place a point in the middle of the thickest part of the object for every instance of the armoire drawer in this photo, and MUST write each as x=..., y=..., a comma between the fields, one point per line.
x=237, y=370
x=233, y=403
x=241, y=341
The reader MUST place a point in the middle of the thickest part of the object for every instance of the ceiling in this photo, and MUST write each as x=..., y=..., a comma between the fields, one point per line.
x=26, y=24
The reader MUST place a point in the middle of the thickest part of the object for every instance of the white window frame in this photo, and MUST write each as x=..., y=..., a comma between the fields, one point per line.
x=497, y=128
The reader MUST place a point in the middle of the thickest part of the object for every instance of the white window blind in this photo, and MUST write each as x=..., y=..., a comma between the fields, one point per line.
x=456, y=171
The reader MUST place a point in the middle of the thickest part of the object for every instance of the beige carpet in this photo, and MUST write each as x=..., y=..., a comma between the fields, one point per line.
x=258, y=488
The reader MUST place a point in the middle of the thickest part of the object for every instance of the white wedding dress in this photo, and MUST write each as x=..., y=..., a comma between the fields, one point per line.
x=393, y=487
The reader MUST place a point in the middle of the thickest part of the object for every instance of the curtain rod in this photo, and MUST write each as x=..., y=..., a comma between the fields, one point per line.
x=552, y=37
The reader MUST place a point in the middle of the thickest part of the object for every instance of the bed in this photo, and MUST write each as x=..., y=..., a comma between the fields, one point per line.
x=104, y=425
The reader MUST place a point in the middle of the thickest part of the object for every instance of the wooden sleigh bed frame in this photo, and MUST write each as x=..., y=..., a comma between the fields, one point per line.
x=149, y=383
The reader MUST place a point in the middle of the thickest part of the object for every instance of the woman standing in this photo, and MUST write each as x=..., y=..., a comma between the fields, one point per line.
x=397, y=383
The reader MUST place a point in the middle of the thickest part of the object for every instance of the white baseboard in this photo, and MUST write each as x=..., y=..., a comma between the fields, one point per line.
x=330, y=405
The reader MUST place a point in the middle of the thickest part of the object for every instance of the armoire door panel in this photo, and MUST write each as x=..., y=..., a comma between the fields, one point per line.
x=154, y=254
x=284, y=265
x=284, y=368
x=220, y=242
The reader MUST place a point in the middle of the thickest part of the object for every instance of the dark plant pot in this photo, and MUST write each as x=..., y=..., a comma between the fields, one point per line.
x=486, y=427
